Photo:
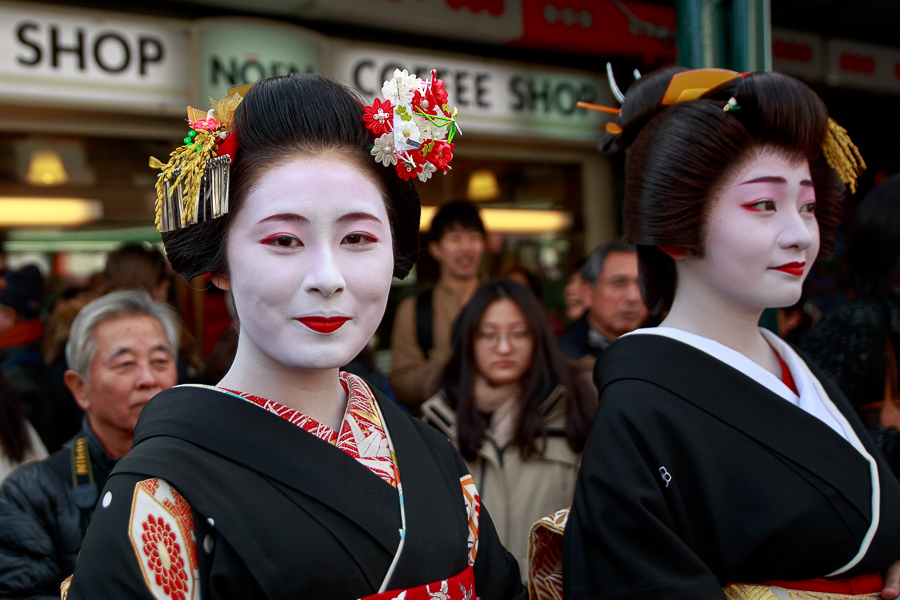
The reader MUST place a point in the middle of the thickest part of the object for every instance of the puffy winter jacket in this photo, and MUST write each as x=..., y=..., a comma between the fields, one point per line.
x=43, y=519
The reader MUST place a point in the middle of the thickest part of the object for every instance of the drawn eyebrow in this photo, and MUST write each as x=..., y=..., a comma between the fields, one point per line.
x=285, y=217
x=358, y=216
x=773, y=179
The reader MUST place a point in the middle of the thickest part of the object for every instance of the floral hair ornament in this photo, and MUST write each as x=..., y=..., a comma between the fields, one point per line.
x=193, y=185
x=413, y=124
x=731, y=105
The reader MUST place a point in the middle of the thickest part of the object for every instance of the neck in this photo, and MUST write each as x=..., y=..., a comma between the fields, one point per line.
x=115, y=441
x=606, y=333
x=699, y=310
x=316, y=393
x=462, y=287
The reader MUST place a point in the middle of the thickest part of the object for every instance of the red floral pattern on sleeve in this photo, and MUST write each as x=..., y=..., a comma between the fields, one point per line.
x=161, y=530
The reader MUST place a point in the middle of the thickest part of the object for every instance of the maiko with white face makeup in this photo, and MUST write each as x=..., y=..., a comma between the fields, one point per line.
x=291, y=478
x=310, y=259
x=720, y=455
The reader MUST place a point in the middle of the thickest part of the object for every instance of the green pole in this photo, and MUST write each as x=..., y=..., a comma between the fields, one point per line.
x=731, y=34
x=751, y=35
x=701, y=33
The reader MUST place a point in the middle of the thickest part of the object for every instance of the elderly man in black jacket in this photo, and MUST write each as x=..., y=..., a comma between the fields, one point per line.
x=121, y=351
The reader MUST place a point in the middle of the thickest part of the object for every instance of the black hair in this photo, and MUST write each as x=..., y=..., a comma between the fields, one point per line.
x=874, y=246
x=679, y=157
x=593, y=264
x=459, y=213
x=548, y=369
x=282, y=117
x=14, y=438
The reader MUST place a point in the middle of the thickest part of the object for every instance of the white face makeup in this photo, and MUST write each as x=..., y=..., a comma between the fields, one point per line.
x=311, y=261
x=762, y=235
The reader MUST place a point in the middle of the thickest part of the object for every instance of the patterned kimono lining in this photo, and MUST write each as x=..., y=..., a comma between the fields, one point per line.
x=362, y=434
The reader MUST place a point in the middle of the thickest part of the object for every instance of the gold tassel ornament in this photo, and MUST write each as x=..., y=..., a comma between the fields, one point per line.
x=842, y=155
x=184, y=172
x=194, y=183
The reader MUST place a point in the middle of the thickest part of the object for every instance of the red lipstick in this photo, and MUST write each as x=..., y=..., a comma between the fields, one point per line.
x=794, y=268
x=324, y=324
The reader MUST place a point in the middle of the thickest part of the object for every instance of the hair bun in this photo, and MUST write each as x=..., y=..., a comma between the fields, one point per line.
x=643, y=101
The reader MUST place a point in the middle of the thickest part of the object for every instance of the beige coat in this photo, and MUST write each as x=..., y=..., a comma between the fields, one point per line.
x=515, y=491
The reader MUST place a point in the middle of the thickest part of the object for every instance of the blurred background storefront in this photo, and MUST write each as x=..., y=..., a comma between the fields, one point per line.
x=90, y=89
x=87, y=95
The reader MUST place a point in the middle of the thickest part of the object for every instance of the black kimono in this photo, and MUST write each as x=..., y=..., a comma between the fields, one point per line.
x=279, y=513
x=695, y=476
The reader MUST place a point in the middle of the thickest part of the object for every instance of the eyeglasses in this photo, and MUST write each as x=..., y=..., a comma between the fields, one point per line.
x=517, y=338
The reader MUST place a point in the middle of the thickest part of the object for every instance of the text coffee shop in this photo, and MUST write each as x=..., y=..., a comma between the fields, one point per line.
x=88, y=96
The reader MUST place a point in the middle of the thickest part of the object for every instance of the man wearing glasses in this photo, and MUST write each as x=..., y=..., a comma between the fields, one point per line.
x=615, y=306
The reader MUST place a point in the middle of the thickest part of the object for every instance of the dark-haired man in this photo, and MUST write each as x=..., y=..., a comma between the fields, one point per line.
x=614, y=302
x=420, y=341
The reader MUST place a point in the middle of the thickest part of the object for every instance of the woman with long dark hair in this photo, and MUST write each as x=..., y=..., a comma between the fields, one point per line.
x=19, y=442
x=857, y=342
x=289, y=478
x=514, y=408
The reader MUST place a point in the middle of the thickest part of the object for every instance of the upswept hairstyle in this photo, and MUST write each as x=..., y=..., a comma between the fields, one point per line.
x=81, y=347
x=300, y=114
x=679, y=158
x=873, y=250
x=548, y=369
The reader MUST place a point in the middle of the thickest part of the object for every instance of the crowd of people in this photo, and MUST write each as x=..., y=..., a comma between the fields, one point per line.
x=654, y=407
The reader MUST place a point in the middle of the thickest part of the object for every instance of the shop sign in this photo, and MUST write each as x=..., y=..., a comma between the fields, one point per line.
x=492, y=97
x=95, y=59
x=854, y=64
x=620, y=28
x=234, y=51
x=493, y=21
x=799, y=54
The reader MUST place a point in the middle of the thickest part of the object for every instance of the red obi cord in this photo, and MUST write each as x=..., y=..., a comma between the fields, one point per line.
x=458, y=587
x=861, y=584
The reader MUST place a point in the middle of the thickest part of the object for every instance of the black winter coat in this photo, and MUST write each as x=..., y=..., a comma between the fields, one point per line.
x=41, y=524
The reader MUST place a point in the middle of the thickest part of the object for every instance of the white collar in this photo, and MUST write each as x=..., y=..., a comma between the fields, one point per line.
x=727, y=355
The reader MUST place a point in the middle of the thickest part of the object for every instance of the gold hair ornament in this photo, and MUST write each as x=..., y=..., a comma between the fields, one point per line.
x=842, y=155
x=194, y=183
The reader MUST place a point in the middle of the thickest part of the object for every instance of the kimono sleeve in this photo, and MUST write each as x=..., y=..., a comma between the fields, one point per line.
x=622, y=540
x=140, y=544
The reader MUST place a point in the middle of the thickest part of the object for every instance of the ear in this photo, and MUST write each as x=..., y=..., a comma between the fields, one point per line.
x=76, y=384
x=221, y=281
x=676, y=252
x=434, y=249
